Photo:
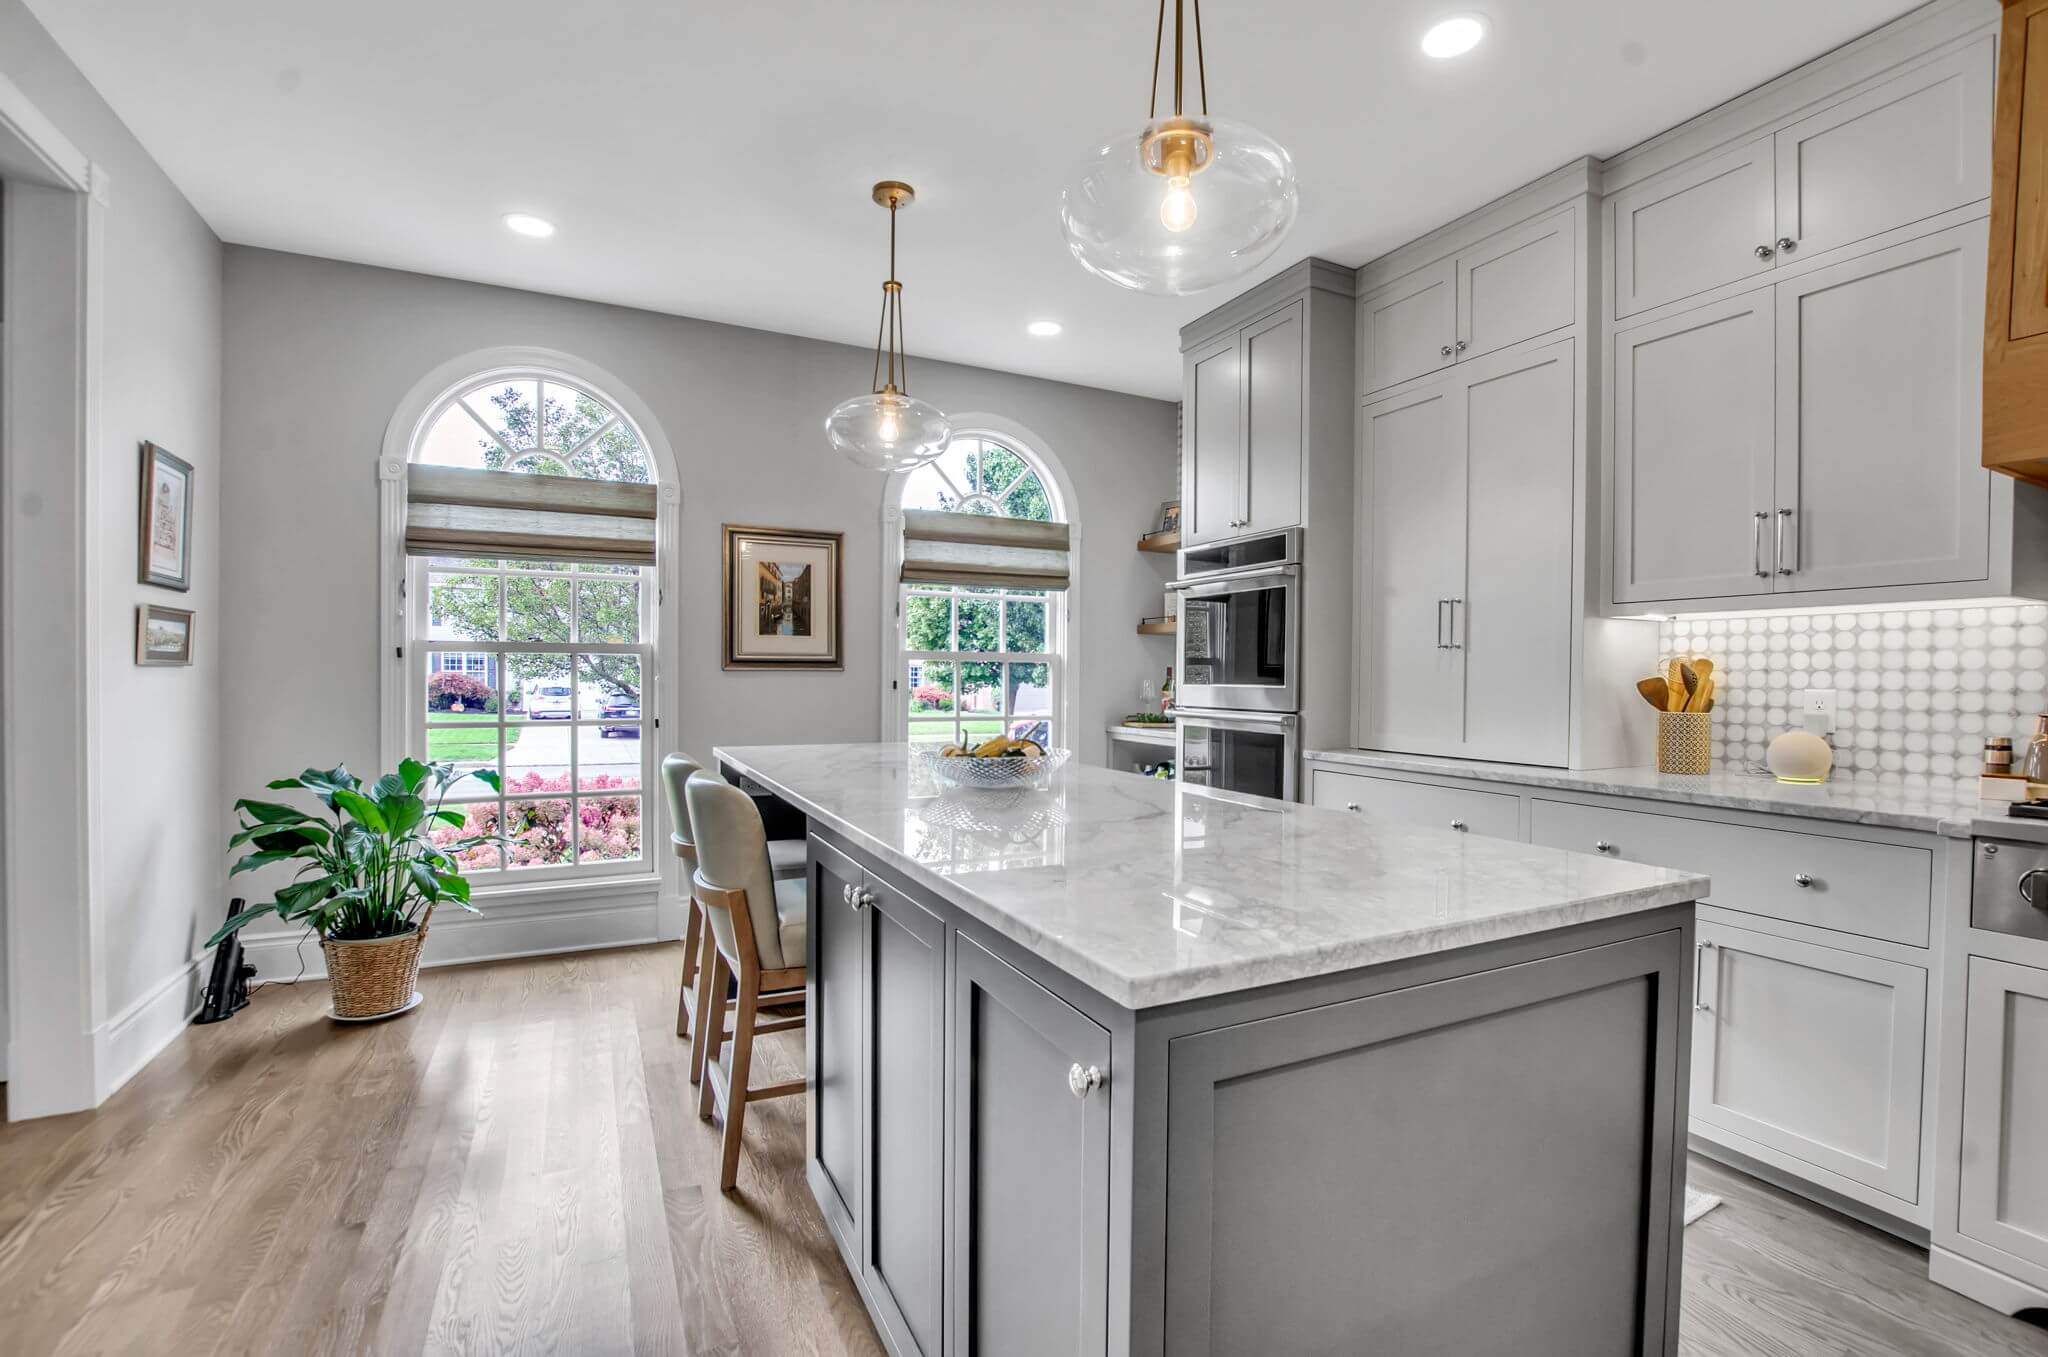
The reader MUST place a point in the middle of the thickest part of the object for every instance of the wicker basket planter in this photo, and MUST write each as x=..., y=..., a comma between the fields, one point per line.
x=376, y=976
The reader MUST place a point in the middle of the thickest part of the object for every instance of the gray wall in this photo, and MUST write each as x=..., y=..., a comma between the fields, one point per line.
x=319, y=354
x=156, y=843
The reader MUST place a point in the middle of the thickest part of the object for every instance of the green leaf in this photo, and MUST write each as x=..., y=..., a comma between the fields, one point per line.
x=388, y=786
x=246, y=916
x=284, y=784
x=272, y=812
x=263, y=859
x=273, y=838
x=360, y=808
x=413, y=772
x=454, y=885
x=488, y=778
x=401, y=813
x=423, y=877
x=451, y=817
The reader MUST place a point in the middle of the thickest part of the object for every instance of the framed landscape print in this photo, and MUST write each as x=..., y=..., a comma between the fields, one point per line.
x=166, y=549
x=163, y=636
x=782, y=589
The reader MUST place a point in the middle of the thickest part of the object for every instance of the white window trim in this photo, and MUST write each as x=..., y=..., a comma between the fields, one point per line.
x=895, y=715
x=662, y=876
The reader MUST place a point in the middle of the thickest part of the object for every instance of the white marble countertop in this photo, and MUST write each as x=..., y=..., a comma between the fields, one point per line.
x=1151, y=892
x=1931, y=805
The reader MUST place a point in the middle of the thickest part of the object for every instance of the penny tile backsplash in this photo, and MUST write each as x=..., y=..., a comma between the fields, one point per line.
x=1917, y=690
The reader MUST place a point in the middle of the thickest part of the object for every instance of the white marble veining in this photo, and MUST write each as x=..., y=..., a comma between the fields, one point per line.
x=1152, y=893
x=1931, y=805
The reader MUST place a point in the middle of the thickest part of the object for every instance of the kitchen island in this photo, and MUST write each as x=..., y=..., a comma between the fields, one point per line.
x=1120, y=1066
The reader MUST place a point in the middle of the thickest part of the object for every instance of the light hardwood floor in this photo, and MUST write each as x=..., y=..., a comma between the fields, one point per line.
x=516, y=1167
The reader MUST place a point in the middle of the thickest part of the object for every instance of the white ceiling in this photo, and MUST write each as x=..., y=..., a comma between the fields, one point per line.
x=715, y=160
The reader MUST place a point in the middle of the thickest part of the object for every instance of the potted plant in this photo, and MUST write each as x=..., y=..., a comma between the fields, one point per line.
x=369, y=877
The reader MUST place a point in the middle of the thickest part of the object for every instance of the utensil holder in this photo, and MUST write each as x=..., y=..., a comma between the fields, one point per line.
x=1685, y=742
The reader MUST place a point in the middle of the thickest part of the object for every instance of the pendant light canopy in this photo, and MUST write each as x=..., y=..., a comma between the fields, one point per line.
x=888, y=429
x=1188, y=201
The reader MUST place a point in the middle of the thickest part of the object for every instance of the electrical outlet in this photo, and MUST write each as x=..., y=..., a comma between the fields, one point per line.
x=1817, y=710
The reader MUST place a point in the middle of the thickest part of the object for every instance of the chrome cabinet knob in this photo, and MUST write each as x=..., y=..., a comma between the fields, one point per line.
x=1787, y=245
x=1461, y=346
x=846, y=893
x=1458, y=825
x=865, y=898
x=1083, y=1080
x=1603, y=847
x=1802, y=880
x=1445, y=351
x=1351, y=805
x=1764, y=252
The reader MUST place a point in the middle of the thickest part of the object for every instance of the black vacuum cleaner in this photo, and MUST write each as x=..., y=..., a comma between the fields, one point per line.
x=227, y=988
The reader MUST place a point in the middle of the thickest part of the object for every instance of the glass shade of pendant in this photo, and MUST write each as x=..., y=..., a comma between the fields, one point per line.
x=888, y=431
x=1173, y=234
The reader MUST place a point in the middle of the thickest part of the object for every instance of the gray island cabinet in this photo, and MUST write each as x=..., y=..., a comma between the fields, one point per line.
x=1123, y=1067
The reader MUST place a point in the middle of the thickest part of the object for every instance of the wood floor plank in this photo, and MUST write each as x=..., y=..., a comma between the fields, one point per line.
x=518, y=1166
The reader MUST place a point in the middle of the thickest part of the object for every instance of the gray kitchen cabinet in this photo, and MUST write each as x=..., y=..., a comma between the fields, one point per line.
x=1422, y=805
x=1211, y=423
x=1275, y=355
x=1816, y=1053
x=1405, y=328
x=1466, y=488
x=2004, y=1183
x=904, y=989
x=1694, y=227
x=835, y=1042
x=1032, y=1093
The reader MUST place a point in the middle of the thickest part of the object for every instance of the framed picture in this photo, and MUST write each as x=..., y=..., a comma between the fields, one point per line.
x=163, y=636
x=1169, y=516
x=165, y=553
x=782, y=589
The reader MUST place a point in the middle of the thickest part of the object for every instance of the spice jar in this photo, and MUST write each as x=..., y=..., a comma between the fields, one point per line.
x=1997, y=756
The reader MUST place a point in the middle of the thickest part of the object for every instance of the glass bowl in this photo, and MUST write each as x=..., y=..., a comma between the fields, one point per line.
x=994, y=774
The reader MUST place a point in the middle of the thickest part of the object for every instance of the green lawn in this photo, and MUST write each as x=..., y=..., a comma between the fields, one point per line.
x=465, y=737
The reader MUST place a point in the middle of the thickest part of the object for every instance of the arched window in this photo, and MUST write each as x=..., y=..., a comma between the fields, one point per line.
x=541, y=670
x=981, y=660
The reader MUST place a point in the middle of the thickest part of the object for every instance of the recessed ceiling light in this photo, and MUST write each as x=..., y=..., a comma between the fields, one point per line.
x=1455, y=36
x=527, y=224
x=1044, y=329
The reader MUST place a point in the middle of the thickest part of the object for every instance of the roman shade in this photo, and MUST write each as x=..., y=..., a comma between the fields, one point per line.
x=460, y=511
x=1011, y=553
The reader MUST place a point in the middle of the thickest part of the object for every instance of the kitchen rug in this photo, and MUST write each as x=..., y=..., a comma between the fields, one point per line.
x=1697, y=1204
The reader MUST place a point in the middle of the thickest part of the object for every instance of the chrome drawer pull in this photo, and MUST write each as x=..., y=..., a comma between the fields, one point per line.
x=1083, y=1081
x=1756, y=551
x=1802, y=880
x=1699, y=952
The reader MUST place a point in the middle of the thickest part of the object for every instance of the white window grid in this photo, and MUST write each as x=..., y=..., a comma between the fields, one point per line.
x=949, y=727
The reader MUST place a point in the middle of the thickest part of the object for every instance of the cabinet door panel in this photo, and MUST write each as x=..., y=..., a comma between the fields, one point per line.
x=1880, y=418
x=1273, y=386
x=2029, y=314
x=1813, y=1052
x=834, y=1041
x=906, y=1013
x=1030, y=1167
x=2005, y=1110
x=1412, y=488
x=1404, y=327
x=1517, y=285
x=1212, y=447
x=1515, y=618
x=1905, y=151
x=1693, y=449
x=1693, y=227
x=1420, y=805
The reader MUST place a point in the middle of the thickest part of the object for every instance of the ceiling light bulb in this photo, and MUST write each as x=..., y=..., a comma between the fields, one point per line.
x=890, y=426
x=1455, y=36
x=1177, y=208
x=526, y=224
x=1044, y=329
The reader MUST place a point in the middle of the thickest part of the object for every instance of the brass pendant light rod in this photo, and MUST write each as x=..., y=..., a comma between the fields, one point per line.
x=1179, y=58
x=892, y=194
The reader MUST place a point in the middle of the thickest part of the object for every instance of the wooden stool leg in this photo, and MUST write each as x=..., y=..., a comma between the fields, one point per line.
x=691, y=923
x=710, y=1005
x=742, y=1063
x=711, y=1030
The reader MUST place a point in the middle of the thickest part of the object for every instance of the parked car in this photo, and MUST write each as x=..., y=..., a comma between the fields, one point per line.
x=550, y=702
x=627, y=708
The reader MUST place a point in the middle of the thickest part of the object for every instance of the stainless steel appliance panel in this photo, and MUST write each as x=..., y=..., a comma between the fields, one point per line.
x=1237, y=752
x=2009, y=889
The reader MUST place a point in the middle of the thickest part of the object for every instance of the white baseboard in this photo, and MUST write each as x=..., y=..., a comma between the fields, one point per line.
x=496, y=936
x=133, y=1037
x=1986, y=1286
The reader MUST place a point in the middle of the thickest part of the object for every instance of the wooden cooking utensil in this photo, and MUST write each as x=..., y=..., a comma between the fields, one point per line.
x=1674, y=686
x=1653, y=691
x=1692, y=683
x=1703, y=700
x=1703, y=670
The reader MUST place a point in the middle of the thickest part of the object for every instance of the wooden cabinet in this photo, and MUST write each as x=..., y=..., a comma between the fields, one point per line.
x=2004, y=1182
x=1467, y=609
x=2016, y=313
x=1516, y=284
x=1243, y=429
x=1814, y=437
x=1812, y=1052
x=1032, y=1091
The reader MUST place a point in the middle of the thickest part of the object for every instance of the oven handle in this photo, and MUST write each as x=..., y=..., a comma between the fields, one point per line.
x=1231, y=582
x=1234, y=720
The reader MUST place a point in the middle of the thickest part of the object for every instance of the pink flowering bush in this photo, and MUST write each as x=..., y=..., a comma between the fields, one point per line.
x=931, y=697
x=537, y=827
x=445, y=690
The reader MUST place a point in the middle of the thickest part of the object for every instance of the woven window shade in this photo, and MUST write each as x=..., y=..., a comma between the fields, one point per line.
x=1012, y=553
x=457, y=511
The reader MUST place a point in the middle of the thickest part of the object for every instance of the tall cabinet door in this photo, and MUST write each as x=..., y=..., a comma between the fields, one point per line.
x=1514, y=621
x=1411, y=694
x=1273, y=353
x=1029, y=1166
x=1693, y=454
x=833, y=1036
x=2005, y=1110
x=1880, y=417
x=1211, y=441
x=904, y=1250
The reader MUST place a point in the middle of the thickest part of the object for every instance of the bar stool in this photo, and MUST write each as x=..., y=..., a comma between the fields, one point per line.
x=757, y=928
x=786, y=858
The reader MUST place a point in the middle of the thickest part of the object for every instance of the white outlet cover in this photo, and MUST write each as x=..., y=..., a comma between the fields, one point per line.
x=1817, y=709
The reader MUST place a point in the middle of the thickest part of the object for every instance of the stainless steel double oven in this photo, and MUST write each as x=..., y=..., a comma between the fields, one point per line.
x=1238, y=697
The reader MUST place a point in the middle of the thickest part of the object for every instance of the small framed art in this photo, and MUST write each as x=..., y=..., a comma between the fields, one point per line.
x=782, y=592
x=163, y=636
x=165, y=552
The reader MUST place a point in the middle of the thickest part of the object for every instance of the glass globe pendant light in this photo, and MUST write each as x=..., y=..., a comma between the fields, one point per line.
x=1186, y=203
x=888, y=429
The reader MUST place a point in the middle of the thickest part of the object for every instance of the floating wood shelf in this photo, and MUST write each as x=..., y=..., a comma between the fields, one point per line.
x=1159, y=626
x=1160, y=541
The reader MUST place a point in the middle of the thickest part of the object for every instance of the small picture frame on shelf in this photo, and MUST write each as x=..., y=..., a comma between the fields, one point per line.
x=1169, y=516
